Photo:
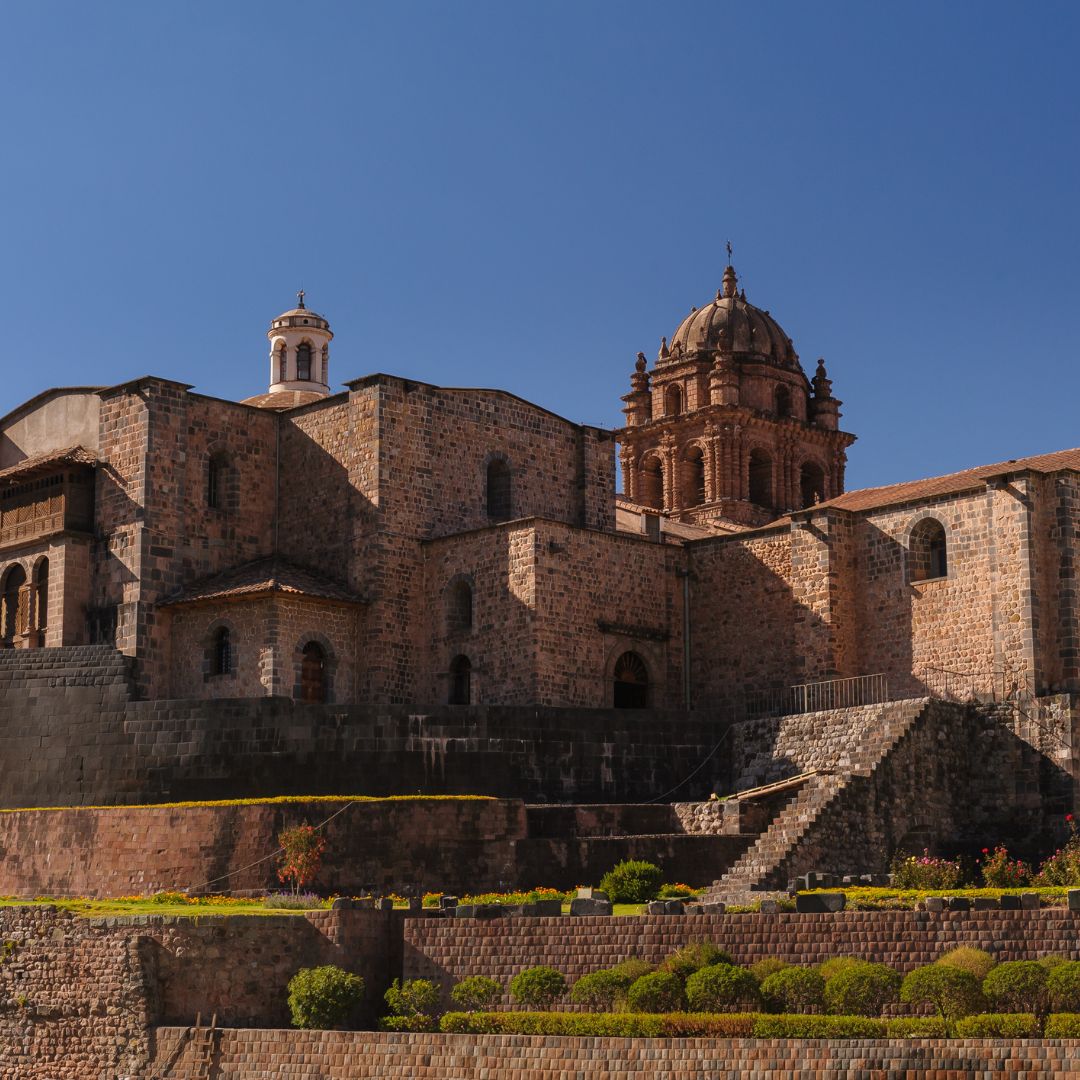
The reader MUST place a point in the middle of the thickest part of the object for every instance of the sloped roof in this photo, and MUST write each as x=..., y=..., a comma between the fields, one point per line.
x=951, y=483
x=268, y=575
x=52, y=459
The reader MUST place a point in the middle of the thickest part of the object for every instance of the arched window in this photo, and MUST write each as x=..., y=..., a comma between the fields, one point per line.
x=460, y=681
x=313, y=673
x=15, y=604
x=631, y=682
x=761, y=479
x=221, y=658
x=498, y=490
x=783, y=402
x=303, y=362
x=812, y=483
x=459, y=607
x=651, y=482
x=672, y=401
x=41, y=607
x=928, y=555
x=217, y=476
x=693, y=476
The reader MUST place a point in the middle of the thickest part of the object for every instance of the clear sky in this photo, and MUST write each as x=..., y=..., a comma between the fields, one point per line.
x=524, y=195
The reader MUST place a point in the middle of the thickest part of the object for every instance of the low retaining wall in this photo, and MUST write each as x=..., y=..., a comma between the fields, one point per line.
x=342, y=1055
x=449, y=950
x=455, y=845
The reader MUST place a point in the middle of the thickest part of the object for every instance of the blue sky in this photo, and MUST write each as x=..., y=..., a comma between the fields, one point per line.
x=523, y=196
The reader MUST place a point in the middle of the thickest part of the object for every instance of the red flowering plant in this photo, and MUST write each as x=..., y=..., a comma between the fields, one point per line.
x=1063, y=867
x=925, y=871
x=301, y=856
x=999, y=871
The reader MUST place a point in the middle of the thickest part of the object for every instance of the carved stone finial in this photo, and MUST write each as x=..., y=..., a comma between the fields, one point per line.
x=821, y=382
x=664, y=353
x=731, y=281
x=642, y=363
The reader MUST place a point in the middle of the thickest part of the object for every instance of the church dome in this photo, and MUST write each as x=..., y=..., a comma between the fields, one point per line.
x=732, y=326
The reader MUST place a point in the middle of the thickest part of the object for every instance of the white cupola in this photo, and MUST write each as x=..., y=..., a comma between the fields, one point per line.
x=300, y=352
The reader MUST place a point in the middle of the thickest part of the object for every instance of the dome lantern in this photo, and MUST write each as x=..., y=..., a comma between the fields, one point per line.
x=300, y=352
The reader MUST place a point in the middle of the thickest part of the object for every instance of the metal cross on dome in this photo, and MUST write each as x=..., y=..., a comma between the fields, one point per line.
x=300, y=294
x=729, y=252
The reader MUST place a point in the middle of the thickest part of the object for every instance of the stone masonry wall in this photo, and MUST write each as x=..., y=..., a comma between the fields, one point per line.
x=344, y=1055
x=429, y=844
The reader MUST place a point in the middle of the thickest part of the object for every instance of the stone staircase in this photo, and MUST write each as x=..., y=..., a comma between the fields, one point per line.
x=770, y=862
x=54, y=672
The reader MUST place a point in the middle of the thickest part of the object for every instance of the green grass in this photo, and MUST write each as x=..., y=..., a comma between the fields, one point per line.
x=144, y=905
x=865, y=898
x=274, y=800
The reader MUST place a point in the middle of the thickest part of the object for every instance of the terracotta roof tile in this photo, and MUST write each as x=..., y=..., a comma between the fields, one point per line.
x=269, y=575
x=72, y=455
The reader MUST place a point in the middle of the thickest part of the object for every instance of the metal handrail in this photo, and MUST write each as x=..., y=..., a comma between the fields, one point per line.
x=994, y=684
x=817, y=696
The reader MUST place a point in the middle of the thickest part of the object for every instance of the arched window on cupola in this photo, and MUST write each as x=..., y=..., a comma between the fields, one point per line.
x=651, y=482
x=783, y=402
x=303, y=362
x=673, y=401
x=693, y=476
x=761, y=479
x=812, y=483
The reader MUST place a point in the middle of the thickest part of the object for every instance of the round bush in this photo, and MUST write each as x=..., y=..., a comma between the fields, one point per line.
x=966, y=958
x=1019, y=986
x=600, y=990
x=476, y=993
x=537, y=987
x=769, y=966
x=324, y=997
x=632, y=882
x=834, y=965
x=862, y=989
x=1063, y=985
x=952, y=991
x=413, y=997
x=657, y=992
x=631, y=969
x=687, y=959
x=720, y=987
x=794, y=990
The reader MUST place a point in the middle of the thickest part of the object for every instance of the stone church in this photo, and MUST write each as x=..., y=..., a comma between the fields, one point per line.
x=399, y=543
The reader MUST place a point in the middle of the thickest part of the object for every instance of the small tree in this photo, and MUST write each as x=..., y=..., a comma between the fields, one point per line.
x=862, y=989
x=324, y=997
x=301, y=855
x=952, y=991
x=721, y=986
x=413, y=997
x=1019, y=986
x=632, y=881
x=537, y=987
x=1063, y=985
x=967, y=958
x=476, y=993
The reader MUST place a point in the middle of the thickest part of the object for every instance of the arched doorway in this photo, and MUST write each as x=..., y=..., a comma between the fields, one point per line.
x=15, y=604
x=313, y=673
x=631, y=678
x=460, y=681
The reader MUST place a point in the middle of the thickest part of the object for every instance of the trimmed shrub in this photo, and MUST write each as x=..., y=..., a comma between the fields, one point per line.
x=631, y=969
x=1063, y=1026
x=537, y=987
x=1063, y=986
x=721, y=987
x=998, y=1026
x=657, y=992
x=415, y=1022
x=413, y=997
x=769, y=966
x=324, y=997
x=916, y=1027
x=863, y=989
x=632, y=881
x=794, y=990
x=966, y=958
x=790, y=1026
x=835, y=964
x=687, y=959
x=1019, y=986
x=600, y=990
x=476, y=992
x=630, y=1025
x=954, y=992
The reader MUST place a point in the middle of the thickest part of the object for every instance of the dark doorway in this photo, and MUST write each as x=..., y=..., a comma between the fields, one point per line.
x=460, y=681
x=631, y=682
x=313, y=674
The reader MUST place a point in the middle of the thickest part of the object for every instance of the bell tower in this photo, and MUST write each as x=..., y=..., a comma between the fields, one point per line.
x=300, y=351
